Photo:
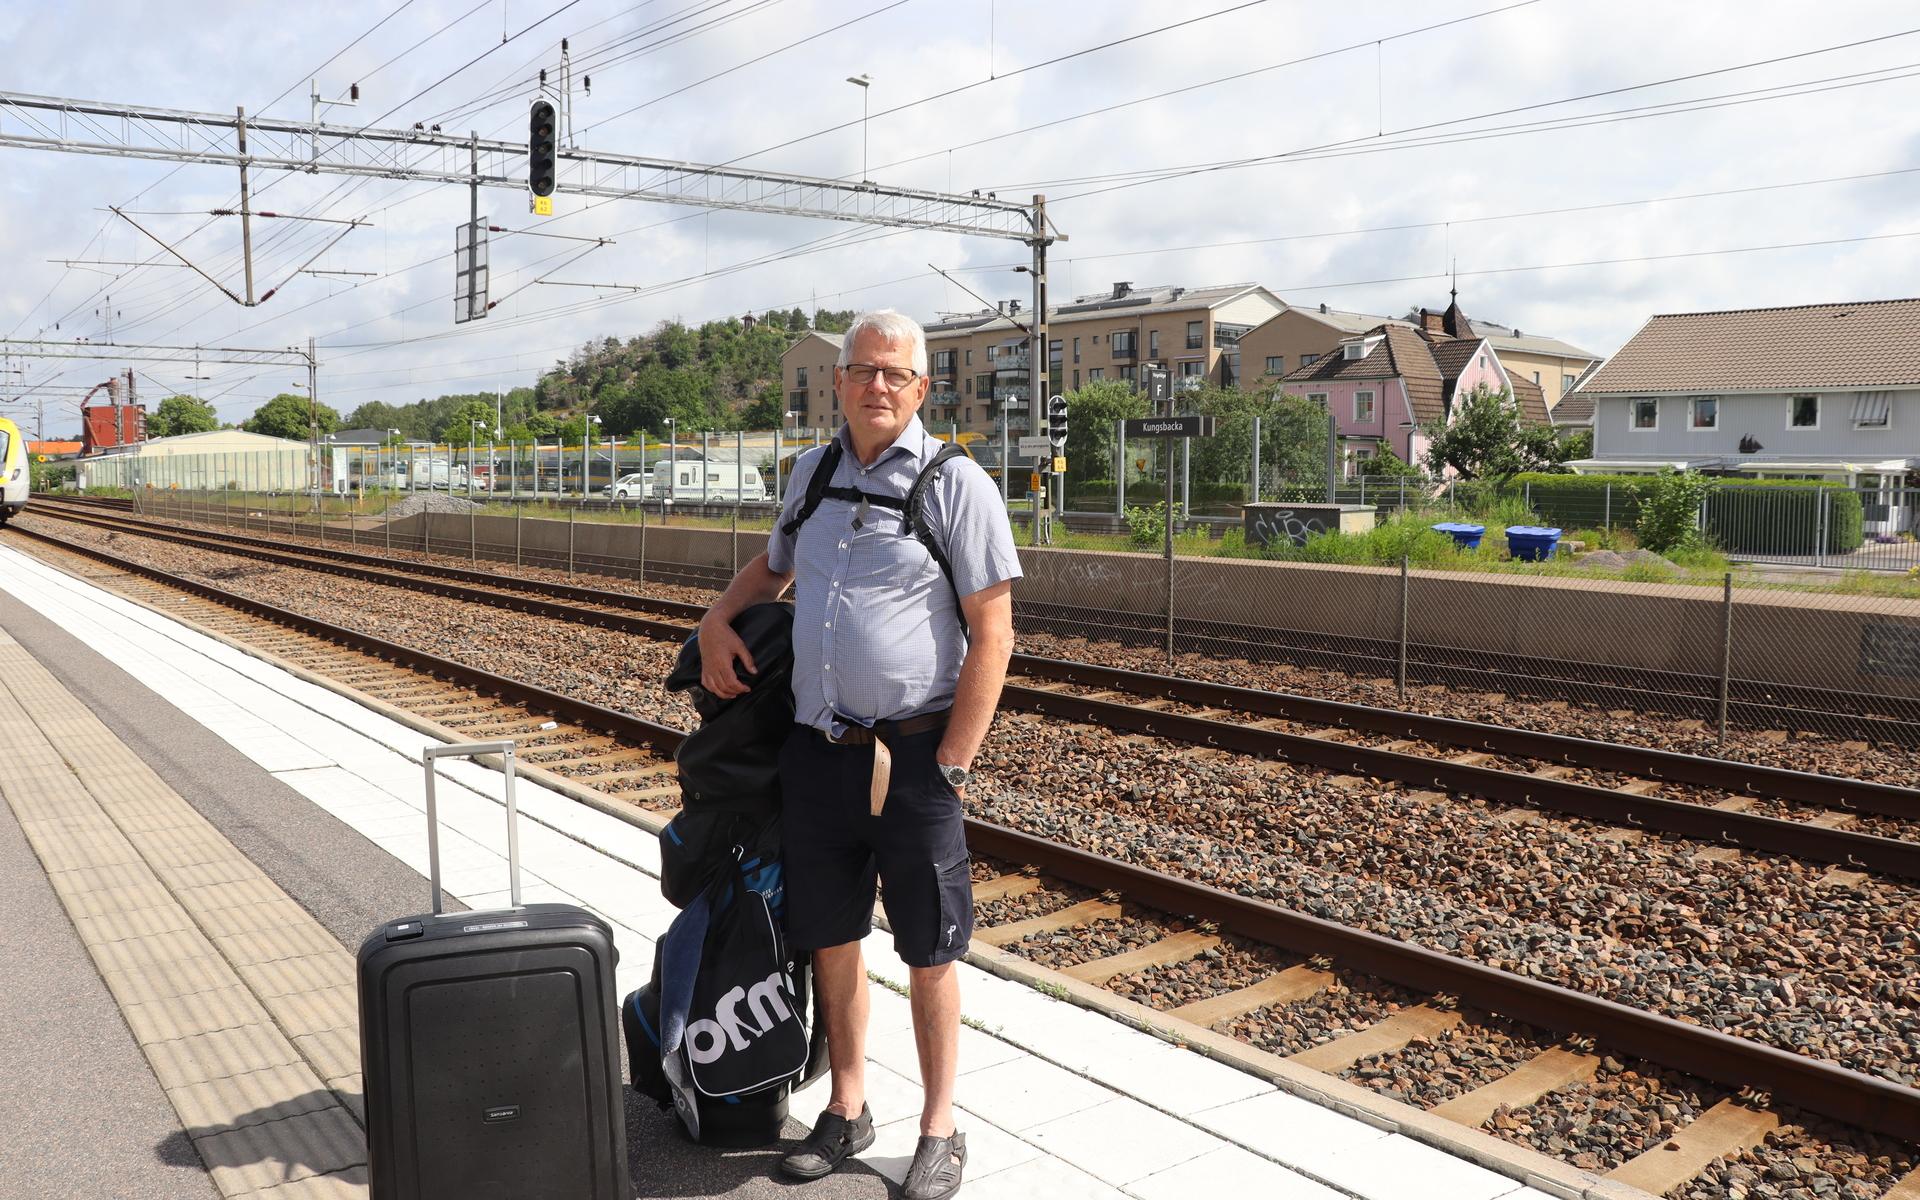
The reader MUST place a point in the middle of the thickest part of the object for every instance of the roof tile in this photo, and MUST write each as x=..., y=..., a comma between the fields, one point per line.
x=1869, y=345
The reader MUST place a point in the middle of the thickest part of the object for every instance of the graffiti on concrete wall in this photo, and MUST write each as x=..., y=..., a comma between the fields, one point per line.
x=1285, y=524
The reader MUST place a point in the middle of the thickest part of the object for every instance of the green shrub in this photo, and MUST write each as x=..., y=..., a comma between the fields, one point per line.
x=1147, y=526
x=1670, y=511
x=1782, y=516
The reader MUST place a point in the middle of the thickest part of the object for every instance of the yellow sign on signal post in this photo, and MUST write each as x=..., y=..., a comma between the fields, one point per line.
x=1059, y=464
x=543, y=206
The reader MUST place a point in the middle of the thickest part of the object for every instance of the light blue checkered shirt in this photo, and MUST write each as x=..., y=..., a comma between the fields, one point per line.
x=876, y=631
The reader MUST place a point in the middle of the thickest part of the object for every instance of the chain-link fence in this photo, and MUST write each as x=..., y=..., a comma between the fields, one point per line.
x=1395, y=614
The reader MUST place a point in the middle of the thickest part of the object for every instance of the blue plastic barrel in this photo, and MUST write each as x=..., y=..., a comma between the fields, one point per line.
x=1466, y=536
x=1531, y=543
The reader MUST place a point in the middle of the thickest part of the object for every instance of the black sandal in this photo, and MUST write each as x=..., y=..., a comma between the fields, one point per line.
x=834, y=1139
x=937, y=1166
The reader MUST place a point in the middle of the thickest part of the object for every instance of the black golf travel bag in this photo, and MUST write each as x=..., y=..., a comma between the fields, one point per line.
x=489, y=1044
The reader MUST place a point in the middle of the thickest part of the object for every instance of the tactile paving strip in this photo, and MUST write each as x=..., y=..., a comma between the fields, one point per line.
x=243, y=1003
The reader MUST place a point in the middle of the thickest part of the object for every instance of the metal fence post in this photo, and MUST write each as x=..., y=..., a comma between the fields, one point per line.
x=1606, y=511
x=1120, y=468
x=1820, y=530
x=1403, y=493
x=1253, y=493
x=570, y=541
x=1527, y=492
x=473, y=532
x=1400, y=675
x=736, y=539
x=706, y=456
x=518, y=517
x=1726, y=651
x=643, y=542
x=426, y=526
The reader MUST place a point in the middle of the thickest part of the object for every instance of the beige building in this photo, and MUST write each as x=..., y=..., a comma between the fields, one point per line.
x=1299, y=337
x=979, y=364
x=220, y=458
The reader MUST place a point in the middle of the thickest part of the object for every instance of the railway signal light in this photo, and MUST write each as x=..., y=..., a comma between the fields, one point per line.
x=1057, y=422
x=543, y=148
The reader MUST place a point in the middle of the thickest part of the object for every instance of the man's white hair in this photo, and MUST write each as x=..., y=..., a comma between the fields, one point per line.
x=891, y=327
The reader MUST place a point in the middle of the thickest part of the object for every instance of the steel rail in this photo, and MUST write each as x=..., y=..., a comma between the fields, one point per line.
x=1823, y=1087
x=1834, y=1091
x=1747, y=831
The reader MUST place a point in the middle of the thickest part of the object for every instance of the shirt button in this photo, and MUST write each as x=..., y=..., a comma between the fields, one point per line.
x=826, y=667
x=829, y=624
x=843, y=545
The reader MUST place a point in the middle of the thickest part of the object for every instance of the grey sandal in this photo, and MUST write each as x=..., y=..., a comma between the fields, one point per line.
x=834, y=1138
x=937, y=1166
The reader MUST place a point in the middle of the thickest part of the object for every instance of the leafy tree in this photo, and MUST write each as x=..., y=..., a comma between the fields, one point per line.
x=1388, y=465
x=1487, y=439
x=1293, y=435
x=182, y=414
x=474, y=419
x=286, y=416
x=377, y=414
x=1091, y=412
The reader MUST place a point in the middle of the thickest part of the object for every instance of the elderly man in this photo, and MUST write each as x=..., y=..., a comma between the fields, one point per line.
x=899, y=659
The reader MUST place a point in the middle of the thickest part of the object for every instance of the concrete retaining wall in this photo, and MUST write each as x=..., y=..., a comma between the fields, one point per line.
x=1855, y=643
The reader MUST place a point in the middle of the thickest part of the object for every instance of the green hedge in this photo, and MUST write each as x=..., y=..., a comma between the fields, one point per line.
x=1782, y=516
x=1744, y=516
x=1147, y=492
x=1582, y=501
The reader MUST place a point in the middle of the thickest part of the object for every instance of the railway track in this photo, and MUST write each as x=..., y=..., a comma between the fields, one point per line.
x=1556, y=1046
x=1751, y=704
x=1636, y=789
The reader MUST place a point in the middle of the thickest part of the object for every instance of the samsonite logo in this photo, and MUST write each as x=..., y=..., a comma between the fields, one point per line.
x=766, y=1007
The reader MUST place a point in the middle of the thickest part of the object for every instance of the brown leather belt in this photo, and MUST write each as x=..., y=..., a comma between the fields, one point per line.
x=878, y=736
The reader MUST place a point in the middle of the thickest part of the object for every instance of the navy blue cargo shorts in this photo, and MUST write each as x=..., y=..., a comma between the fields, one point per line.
x=835, y=849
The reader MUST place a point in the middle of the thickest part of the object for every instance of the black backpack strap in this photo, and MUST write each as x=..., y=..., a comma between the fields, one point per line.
x=915, y=517
x=816, y=487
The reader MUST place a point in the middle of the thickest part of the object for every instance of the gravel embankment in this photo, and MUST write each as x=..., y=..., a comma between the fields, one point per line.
x=1757, y=947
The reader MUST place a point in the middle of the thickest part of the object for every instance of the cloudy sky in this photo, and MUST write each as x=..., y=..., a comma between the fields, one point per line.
x=1585, y=165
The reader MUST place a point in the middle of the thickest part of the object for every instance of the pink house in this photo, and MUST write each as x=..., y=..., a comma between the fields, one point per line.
x=1386, y=385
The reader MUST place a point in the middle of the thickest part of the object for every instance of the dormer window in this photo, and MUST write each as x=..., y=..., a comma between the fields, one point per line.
x=1353, y=351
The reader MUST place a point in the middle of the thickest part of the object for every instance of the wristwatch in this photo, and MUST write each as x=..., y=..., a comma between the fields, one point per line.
x=956, y=777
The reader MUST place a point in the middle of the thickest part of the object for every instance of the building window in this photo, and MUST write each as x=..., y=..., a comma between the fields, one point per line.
x=1646, y=413
x=1483, y=362
x=1129, y=372
x=1872, y=410
x=1195, y=337
x=1803, y=412
x=1076, y=349
x=1192, y=368
x=1307, y=360
x=1363, y=407
x=1076, y=378
x=1276, y=364
x=1153, y=343
x=836, y=402
x=1053, y=352
x=943, y=362
x=983, y=385
x=1095, y=374
x=992, y=353
x=1125, y=343
x=1566, y=383
x=797, y=402
x=1704, y=412
x=1319, y=398
x=969, y=355
x=800, y=380
x=1536, y=378
x=969, y=416
x=967, y=385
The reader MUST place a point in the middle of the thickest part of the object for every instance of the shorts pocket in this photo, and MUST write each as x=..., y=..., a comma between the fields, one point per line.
x=953, y=885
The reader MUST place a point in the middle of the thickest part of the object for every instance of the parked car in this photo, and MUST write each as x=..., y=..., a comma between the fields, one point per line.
x=636, y=486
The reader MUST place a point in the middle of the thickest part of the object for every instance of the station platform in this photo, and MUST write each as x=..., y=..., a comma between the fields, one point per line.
x=193, y=840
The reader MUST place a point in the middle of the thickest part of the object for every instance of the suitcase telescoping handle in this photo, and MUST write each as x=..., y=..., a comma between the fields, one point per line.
x=469, y=750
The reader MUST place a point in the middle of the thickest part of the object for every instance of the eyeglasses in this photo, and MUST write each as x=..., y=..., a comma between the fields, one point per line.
x=896, y=377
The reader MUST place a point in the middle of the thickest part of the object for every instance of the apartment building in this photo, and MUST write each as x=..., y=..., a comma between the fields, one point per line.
x=982, y=375
x=1299, y=337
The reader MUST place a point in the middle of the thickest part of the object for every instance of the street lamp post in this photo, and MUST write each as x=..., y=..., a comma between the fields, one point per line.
x=586, y=456
x=863, y=82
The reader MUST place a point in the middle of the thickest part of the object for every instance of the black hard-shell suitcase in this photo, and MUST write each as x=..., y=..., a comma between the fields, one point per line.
x=489, y=1044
